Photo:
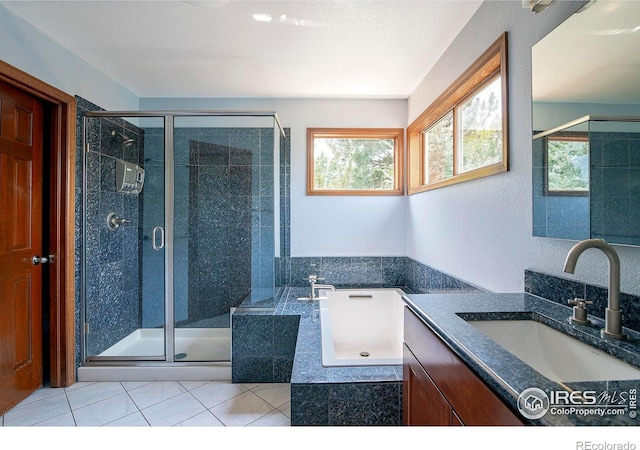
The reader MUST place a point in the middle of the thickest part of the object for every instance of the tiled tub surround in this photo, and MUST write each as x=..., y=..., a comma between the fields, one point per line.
x=262, y=349
x=264, y=346
x=365, y=395
x=503, y=372
x=560, y=290
x=374, y=272
x=266, y=342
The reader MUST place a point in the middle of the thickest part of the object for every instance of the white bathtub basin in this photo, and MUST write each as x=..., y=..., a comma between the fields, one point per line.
x=361, y=327
x=555, y=355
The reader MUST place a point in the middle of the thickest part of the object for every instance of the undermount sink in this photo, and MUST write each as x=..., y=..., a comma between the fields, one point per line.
x=554, y=354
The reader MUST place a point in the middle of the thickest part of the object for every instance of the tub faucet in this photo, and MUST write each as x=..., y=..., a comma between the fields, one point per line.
x=314, y=286
x=613, y=315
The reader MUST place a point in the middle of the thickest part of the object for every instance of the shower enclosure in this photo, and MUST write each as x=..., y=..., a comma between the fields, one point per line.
x=180, y=227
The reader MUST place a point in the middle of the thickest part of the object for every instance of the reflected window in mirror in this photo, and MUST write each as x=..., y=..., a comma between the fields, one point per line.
x=581, y=72
x=567, y=164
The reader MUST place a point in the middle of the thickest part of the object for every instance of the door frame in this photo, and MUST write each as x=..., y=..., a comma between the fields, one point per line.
x=60, y=155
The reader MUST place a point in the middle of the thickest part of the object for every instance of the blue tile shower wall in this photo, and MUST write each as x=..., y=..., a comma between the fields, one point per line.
x=615, y=195
x=113, y=264
x=112, y=281
x=560, y=290
x=223, y=226
x=611, y=209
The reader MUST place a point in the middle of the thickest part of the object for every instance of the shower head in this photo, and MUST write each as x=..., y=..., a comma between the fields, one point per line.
x=126, y=141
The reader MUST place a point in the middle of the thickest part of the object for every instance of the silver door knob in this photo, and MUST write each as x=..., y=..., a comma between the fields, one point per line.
x=39, y=260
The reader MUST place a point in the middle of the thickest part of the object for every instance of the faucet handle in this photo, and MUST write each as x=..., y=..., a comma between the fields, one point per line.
x=579, y=302
x=579, y=311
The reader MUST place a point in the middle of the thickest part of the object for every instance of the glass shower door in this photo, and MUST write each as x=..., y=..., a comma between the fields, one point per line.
x=223, y=228
x=124, y=238
x=203, y=282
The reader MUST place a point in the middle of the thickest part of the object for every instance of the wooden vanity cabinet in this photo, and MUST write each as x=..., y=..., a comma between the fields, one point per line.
x=439, y=389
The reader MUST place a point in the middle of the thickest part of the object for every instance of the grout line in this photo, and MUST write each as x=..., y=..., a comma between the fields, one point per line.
x=70, y=409
x=136, y=405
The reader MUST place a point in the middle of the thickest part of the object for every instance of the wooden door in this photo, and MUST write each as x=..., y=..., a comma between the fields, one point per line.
x=21, y=216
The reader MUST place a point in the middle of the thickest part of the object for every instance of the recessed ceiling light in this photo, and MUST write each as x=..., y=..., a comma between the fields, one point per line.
x=207, y=3
x=262, y=17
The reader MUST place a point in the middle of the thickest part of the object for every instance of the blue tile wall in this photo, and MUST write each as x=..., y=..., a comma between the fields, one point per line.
x=611, y=209
x=345, y=272
x=263, y=347
x=615, y=194
x=372, y=272
x=113, y=266
x=346, y=404
x=560, y=290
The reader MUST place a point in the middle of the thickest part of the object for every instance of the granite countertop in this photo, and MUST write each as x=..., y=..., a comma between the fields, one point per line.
x=507, y=375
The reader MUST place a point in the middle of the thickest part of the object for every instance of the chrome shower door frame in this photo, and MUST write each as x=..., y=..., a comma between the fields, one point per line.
x=168, y=231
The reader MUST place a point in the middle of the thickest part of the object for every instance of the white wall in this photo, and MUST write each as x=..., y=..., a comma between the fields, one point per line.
x=27, y=48
x=325, y=226
x=480, y=231
x=547, y=116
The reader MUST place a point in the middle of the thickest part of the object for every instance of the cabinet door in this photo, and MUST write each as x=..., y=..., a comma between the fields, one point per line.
x=422, y=403
x=473, y=402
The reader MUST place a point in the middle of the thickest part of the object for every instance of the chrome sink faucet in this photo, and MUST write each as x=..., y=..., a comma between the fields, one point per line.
x=613, y=315
x=312, y=282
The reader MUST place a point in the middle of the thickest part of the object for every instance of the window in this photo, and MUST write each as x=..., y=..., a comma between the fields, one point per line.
x=567, y=162
x=463, y=134
x=352, y=161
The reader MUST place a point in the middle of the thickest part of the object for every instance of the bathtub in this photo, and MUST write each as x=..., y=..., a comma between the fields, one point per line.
x=361, y=327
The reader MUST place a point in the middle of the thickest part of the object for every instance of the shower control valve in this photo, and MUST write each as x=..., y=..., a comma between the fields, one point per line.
x=114, y=221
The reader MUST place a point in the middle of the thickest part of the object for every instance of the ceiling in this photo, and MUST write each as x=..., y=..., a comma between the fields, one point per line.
x=254, y=49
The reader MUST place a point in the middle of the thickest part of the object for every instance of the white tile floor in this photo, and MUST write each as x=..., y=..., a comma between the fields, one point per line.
x=163, y=403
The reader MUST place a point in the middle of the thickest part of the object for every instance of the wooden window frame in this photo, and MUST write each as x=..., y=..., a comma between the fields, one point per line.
x=492, y=63
x=397, y=134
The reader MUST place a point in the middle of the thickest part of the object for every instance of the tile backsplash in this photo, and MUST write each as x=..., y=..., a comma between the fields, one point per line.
x=372, y=272
x=560, y=290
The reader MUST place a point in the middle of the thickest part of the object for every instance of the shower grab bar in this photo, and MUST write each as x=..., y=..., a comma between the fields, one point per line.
x=361, y=296
x=154, y=239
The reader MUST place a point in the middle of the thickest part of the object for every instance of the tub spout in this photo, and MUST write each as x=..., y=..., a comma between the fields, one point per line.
x=314, y=286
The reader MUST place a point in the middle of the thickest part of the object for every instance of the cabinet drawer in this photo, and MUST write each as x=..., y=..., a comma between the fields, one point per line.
x=472, y=400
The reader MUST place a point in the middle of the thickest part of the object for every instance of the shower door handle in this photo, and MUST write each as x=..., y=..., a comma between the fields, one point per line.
x=154, y=238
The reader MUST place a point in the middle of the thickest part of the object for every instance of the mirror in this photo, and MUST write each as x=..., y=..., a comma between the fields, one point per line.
x=586, y=112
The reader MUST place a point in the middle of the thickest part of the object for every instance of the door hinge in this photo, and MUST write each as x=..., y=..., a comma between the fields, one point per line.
x=86, y=328
x=86, y=147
